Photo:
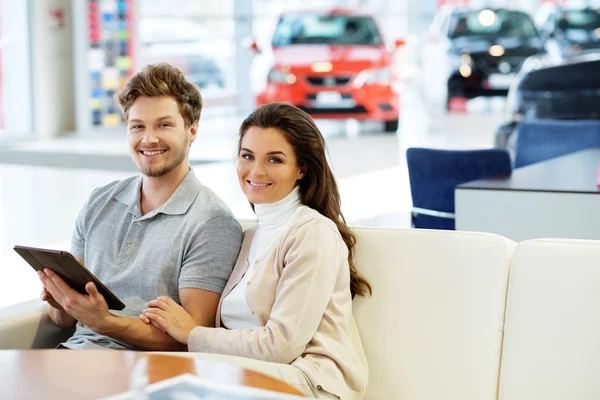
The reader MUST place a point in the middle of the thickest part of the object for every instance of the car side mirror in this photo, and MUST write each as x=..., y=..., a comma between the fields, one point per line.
x=250, y=43
x=399, y=43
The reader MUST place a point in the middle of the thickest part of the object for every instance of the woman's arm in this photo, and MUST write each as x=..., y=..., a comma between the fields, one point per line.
x=314, y=253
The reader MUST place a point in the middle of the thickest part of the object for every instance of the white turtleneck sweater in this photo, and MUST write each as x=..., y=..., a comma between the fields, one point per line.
x=235, y=312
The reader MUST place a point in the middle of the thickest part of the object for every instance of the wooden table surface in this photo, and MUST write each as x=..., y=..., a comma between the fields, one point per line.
x=90, y=374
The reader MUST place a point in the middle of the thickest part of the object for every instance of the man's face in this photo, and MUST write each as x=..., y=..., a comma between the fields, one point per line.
x=158, y=138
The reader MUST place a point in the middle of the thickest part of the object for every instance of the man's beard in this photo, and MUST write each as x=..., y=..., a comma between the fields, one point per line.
x=160, y=170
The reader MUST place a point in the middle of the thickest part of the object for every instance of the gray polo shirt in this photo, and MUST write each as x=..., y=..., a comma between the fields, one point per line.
x=191, y=241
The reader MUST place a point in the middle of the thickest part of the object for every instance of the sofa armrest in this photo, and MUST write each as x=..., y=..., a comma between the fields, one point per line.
x=27, y=326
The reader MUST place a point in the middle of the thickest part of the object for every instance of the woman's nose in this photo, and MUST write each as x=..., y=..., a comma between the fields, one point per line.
x=257, y=169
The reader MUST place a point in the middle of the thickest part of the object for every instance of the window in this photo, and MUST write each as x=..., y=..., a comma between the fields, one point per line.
x=326, y=29
x=499, y=23
x=585, y=19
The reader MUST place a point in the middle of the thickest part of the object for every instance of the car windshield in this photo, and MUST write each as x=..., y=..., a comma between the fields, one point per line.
x=495, y=23
x=585, y=19
x=326, y=29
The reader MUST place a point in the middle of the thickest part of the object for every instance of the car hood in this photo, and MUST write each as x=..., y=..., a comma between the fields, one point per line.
x=346, y=57
x=513, y=45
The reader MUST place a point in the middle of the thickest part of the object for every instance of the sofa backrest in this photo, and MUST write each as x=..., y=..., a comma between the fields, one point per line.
x=432, y=329
x=552, y=331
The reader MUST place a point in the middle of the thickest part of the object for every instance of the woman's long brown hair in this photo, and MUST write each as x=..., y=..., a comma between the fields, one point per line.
x=318, y=188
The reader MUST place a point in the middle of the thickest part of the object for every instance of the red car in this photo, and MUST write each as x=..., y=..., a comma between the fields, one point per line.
x=333, y=65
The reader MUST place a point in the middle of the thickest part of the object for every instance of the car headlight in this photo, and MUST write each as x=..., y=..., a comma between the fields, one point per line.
x=277, y=75
x=374, y=76
x=459, y=60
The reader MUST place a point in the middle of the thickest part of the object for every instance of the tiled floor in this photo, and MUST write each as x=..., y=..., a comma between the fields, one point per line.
x=38, y=204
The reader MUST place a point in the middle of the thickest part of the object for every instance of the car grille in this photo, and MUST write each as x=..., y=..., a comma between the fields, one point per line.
x=334, y=110
x=490, y=64
x=328, y=80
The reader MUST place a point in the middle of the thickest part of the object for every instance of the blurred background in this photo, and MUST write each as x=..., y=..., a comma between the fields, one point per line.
x=380, y=76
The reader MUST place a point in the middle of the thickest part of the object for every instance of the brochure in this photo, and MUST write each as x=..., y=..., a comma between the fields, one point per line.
x=192, y=387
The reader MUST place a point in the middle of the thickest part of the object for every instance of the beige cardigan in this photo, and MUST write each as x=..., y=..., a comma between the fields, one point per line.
x=300, y=293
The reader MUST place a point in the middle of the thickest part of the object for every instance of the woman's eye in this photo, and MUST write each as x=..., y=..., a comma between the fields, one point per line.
x=246, y=156
x=275, y=160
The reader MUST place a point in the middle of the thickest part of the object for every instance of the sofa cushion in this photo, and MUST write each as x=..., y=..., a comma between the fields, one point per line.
x=552, y=333
x=433, y=327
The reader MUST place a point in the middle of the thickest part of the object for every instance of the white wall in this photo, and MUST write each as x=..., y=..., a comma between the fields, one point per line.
x=52, y=67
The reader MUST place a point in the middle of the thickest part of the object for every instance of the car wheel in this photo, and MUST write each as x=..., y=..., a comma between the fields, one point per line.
x=391, y=126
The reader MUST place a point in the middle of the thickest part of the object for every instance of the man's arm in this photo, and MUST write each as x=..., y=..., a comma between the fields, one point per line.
x=92, y=311
x=200, y=304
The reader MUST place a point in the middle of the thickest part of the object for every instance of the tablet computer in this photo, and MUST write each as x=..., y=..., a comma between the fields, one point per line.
x=65, y=265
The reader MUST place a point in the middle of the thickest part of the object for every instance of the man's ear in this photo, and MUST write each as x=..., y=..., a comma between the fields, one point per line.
x=193, y=132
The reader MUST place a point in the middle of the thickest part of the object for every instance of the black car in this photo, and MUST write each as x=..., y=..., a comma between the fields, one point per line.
x=568, y=89
x=481, y=50
x=570, y=31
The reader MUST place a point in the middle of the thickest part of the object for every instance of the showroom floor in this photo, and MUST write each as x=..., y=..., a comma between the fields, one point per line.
x=43, y=184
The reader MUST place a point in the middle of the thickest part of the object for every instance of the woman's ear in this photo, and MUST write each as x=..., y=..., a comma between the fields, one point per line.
x=302, y=172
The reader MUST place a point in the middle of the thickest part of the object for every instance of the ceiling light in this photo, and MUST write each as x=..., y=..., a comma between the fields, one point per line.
x=487, y=17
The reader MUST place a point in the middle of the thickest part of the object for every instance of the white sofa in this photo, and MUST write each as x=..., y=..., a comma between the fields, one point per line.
x=438, y=325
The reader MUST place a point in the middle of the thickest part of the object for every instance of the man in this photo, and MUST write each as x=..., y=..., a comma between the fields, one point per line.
x=161, y=233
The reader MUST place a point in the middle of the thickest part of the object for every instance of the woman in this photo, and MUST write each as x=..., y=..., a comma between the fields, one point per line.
x=289, y=298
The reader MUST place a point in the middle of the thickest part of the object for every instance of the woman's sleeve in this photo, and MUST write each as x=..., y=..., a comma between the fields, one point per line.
x=313, y=255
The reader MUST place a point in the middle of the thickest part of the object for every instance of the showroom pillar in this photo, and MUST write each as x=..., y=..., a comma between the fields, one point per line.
x=15, y=68
x=243, y=56
x=52, y=67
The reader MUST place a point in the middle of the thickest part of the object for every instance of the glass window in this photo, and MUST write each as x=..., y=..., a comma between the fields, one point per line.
x=584, y=19
x=326, y=29
x=499, y=23
x=198, y=38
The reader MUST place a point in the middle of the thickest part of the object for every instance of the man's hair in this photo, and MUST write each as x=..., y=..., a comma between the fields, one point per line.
x=162, y=79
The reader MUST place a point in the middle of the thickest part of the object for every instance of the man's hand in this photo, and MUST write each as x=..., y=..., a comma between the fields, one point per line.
x=91, y=309
x=47, y=297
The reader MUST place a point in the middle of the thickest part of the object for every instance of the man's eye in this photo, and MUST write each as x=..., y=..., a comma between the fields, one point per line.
x=136, y=127
x=164, y=124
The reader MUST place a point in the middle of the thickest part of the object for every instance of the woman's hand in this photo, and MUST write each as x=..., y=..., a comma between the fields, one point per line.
x=169, y=317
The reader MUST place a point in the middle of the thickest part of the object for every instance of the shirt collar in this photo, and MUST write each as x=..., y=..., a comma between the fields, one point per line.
x=178, y=204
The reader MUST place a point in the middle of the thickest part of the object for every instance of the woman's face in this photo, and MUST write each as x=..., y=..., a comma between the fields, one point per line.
x=267, y=166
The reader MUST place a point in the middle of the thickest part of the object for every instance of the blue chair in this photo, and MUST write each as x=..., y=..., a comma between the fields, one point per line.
x=545, y=139
x=435, y=173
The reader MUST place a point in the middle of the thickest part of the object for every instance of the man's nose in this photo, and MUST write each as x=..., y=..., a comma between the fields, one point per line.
x=150, y=137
